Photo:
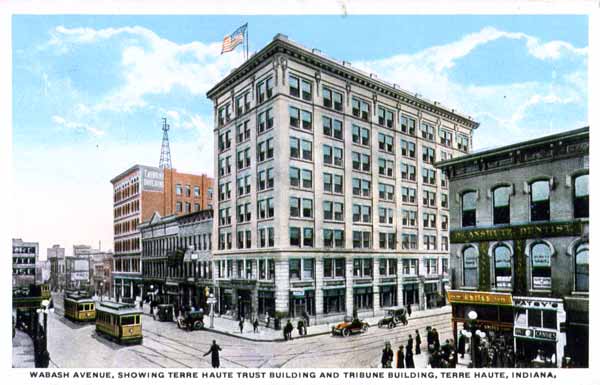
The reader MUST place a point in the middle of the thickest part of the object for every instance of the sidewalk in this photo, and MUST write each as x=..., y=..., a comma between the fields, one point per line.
x=22, y=351
x=231, y=327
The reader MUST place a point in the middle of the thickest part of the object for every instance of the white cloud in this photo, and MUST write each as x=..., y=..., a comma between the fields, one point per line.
x=59, y=120
x=504, y=106
x=152, y=65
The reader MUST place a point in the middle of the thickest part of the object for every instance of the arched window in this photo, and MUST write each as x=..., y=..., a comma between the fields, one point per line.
x=540, y=200
x=581, y=198
x=503, y=267
x=468, y=208
x=502, y=205
x=582, y=268
x=470, y=266
x=541, y=272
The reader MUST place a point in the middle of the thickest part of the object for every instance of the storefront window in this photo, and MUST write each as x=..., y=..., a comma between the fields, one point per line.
x=470, y=266
x=363, y=298
x=582, y=268
x=334, y=301
x=387, y=296
x=541, y=272
x=503, y=267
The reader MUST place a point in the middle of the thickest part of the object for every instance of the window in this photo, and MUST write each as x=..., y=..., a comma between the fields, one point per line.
x=444, y=222
x=266, y=208
x=333, y=210
x=470, y=266
x=385, y=117
x=243, y=131
x=294, y=177
x=462, y=142
x=445, y=137
x=294, y=241
x=429, y=220
x=386, y=192
x=333, y=128
x=427, y=131
x=196, y=191
x=410, y=266
x=332, y=98
x=265, y=120
x=503, y=267
x=300, y=87
x=306, y=149
x=294, y=86
x=306, y=179
x=178, y=207
x=333, y=183
x=444, y=200
x=409, y=218
x=362, y=267
x=361, y=162
x=307, y=239
x=294, y=147
x=334, y=268
x=178, y=189
x=360, y=135
x=444, y=243
x=430, y=242
x=333, y=155
x=582, y=268
x=409, y=241
x=502, y=205
x=408, y=125
x=242, y=104
x=294, y=266
x=307, y=208
x=408, y=172
x=360, y=108
x=428, y=175
x=408, y=149
x=428, y=198
x=428, y=155
x=581, y=200
x=387, y=241
x=541, y=271
x=386, y=142
x=386, y=167
x=468, y=207
x=294, y=207
x=386, y=215
x=188, y=191
x=265, y=151
x=361, y=214
x=540, y=200
x=409, y=195
x=333, y=238
x=264, y=89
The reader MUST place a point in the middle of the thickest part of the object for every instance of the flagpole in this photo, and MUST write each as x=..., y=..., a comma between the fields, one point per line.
x=247, y=41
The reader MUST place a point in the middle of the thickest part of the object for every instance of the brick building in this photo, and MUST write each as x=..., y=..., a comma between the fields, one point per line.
x=328, y=199
x=519, y=233
x=139, y=192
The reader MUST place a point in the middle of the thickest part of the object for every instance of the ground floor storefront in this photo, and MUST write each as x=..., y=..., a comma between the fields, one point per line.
x=126, y=287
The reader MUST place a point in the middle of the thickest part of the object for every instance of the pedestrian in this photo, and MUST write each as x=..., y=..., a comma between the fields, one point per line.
x=417, y=342
x=241, y=325
x=255, y=324
x=306, y=319
x=408, y=309
x=300, y=327
x=429, y=339
x=387, y=356
x=461, y=345
x=267, y=318
x=214, y=354
x=436, y=339
x=410, y=363
x=409, y=344
x=288, y=330
x=400, y=357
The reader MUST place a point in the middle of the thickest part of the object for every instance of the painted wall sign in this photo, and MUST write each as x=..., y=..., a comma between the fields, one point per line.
x=152, y=179
x=557, y=229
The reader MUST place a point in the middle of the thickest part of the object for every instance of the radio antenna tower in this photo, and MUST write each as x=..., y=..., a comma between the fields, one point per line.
x=165, y=150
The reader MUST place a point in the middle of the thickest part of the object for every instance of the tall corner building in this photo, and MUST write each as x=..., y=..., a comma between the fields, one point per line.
x=139, y=192
x=328, y=201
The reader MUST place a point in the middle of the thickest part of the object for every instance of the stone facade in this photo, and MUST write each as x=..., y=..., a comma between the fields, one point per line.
x=276, y=142
x=529, y=239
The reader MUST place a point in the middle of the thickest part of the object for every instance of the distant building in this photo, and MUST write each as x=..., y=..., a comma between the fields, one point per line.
x=138, y=193
x=176, y=258
x=25, y=256
x=519, y=232
x=56, y=256
x=42, y=272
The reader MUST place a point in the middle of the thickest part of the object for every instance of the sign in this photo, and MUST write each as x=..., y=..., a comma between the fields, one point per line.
x=298, y=293
x=504, y=281
x=533, y=333
x=542, y=282
x=81, y=264
x=470, y=262
x=545, y=335
x=479, y=297
x=80, y=276
x=541, y=260
x=546, y=230
x=152, y=179
x=538, y=303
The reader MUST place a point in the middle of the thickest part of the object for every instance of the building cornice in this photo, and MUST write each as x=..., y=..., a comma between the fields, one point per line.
x=282, y=45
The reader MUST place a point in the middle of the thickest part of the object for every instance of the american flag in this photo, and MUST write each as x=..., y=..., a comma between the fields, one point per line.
x=233, y=40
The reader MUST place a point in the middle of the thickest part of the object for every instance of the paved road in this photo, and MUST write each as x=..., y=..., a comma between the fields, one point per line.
x=166, y=346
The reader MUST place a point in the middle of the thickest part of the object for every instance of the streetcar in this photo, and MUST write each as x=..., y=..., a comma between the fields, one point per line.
x=79, y=308
x=119, y=322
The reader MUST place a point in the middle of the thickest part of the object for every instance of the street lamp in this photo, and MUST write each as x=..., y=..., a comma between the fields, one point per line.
x=44, y=358
x=211, y=301
x=472, y=322
x=101, y=290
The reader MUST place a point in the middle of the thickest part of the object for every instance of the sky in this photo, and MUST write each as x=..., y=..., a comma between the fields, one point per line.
x=89, y=92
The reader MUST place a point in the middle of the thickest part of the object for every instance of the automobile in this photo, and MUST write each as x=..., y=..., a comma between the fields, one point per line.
x=164, y=312
x=349, y=326
x=192, y=320
x=393, y=317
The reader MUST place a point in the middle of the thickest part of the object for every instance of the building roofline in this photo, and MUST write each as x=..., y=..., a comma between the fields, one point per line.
x=129, y=170
x=583, y=131
x=281, y=43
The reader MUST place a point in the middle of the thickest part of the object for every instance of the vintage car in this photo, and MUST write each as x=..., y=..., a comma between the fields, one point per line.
x=349, y=326
x=192, y=320
x=393, y=316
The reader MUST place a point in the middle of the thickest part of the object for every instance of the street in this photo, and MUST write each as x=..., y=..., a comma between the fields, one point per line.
x=73, y=345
